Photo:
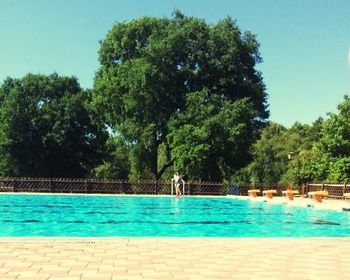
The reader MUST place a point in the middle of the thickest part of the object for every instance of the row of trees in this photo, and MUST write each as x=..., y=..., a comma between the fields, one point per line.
x=303, y=153
x=170, y=94
x=47, y=129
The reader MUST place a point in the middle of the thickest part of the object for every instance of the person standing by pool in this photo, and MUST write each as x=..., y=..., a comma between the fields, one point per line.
x=177, y=181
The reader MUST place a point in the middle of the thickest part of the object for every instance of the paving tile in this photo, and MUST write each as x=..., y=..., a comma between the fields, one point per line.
x=171, y=258
x=64, y=278
x=32, y=277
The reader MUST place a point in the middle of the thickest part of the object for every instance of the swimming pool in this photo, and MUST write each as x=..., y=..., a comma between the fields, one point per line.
x=85, y=216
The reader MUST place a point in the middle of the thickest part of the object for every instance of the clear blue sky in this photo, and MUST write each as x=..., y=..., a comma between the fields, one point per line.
x=304, y=43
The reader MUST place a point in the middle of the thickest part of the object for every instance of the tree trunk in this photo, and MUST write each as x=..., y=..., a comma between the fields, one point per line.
x=168, y=163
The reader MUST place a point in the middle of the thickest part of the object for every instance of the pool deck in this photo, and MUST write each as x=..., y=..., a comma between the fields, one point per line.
x=174, y=258
x=327, y=204
x=38, y=258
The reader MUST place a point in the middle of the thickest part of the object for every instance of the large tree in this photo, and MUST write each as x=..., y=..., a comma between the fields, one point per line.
x=282, y=155
x=46, y=128
x=333, y=149
x=150, y=65
x=209, y=139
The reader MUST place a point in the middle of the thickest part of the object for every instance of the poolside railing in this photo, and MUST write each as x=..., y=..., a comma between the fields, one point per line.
x=71, y=185
x=335, y=191
x=242, y=188
x=155, y=187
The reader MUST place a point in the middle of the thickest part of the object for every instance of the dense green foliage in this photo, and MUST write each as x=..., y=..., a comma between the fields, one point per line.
x=320, y=152
x=277, y=154
x=332, y=162
x=207, y=139
x=151, y=71
x=170, y=94
x=46, y=128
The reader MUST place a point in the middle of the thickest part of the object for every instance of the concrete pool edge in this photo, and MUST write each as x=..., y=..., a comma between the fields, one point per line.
x=111, y=194
x=40, y=239
x=327, y=204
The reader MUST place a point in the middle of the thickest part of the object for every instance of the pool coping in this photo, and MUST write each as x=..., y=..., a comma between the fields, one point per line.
x=109, y=194
x=327, y=204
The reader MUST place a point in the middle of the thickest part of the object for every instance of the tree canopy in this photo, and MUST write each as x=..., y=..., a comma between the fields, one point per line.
x=333, y=148
x=282, y=155
x=46, y=128
x=207, y=138
x=152, y=70
x=170, y=94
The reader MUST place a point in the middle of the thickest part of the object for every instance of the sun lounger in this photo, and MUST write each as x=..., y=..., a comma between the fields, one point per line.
x=290, y=194
x=269, y=193
x=253, y=192
x=318, y=195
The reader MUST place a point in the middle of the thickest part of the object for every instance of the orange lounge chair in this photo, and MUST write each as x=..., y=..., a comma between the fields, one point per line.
x=318, y=195
x=290, y=194
x=253, y=192
x=269, y=193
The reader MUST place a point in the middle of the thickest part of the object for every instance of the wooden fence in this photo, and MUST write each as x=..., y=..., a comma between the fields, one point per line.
x=65, y=185
x=68, y=185
x=335, y=191
x=242, y=188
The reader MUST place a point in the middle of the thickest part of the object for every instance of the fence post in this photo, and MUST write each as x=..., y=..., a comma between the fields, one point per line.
x=302, y=190
x=122, y=186
x=344, y=188
x=14, y=185
x=155, y=187
x=86, y=185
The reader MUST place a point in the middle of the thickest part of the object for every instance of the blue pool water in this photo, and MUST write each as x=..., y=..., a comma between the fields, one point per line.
x=44, y=215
